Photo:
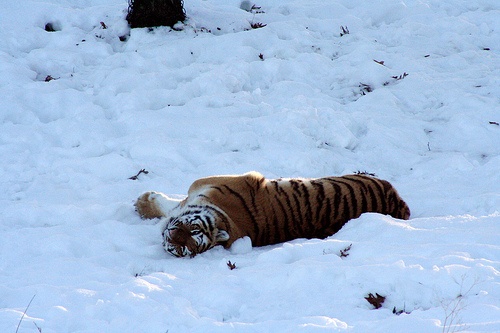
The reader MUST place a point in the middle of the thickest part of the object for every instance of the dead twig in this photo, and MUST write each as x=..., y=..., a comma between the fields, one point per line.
x=257, y=25
x=365, y=173
x=365, y=88
x=144, y=171
x=400, y=77
x=49, y=78
x=24, y=313
x=345, y=252
x=344, y=31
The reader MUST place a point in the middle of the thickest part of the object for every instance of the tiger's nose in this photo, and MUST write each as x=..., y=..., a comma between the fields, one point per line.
x=179, y=236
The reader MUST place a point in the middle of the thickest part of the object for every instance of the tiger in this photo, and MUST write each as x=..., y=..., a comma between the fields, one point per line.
x=218, y=210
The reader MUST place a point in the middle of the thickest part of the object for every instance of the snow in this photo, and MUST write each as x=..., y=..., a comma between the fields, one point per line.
x=293, y=98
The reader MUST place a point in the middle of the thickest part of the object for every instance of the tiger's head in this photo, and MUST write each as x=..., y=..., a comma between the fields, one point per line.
x=193, y=231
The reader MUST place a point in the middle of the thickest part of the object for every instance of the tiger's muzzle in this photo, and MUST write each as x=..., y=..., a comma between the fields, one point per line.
x=179, y=238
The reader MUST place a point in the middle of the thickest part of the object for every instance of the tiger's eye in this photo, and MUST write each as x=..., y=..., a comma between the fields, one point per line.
x=195, y=232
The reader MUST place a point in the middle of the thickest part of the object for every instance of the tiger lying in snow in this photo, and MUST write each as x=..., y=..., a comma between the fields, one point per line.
x=218, y=210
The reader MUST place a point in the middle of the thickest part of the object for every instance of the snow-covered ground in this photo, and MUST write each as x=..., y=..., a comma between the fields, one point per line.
x=410, y=92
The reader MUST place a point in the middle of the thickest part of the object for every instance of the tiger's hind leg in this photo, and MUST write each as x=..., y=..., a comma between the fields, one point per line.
x=154, y=204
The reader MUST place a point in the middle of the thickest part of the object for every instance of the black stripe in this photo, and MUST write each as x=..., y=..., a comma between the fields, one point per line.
x=362, y=186
x=276, y=185
x=203, y=196
x=222, y=217
x=307, y=200
x=395, y=201
x=277, y=231
x=280, y=231
x=246, y=207
x=354, y=201
x=297, y=194
x=253, y=193
x=347, y=215
x=378, y=196
x=192, y=209
x=373, y=199
x=214, y=211
x=271, y=222
x=326, y=221
x=320, y=197
x=351, y=197
x=218, y=189
x=283, y=193
x=337, y=196
x=285, y=221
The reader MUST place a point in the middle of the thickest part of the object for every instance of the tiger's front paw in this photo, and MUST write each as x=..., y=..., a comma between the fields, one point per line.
x=148, y=207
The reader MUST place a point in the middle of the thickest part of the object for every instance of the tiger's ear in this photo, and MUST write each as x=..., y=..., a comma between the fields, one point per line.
x=222, y=236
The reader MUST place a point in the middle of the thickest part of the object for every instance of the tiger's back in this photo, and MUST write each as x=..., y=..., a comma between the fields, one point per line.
x=275, y=211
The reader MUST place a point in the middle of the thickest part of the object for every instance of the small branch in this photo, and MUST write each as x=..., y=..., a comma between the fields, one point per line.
x=257, y=25
x=231, y=265
x=400, y=77
x=398, y=312
x=365, y=173
x=144, y=171
x=365, y=88
x=395, y=78
x=141, y=273
x=24, y=313
x=344, y=31
x=256, y=10
x=49, y=78
x=345, y=252
x=453, y=321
